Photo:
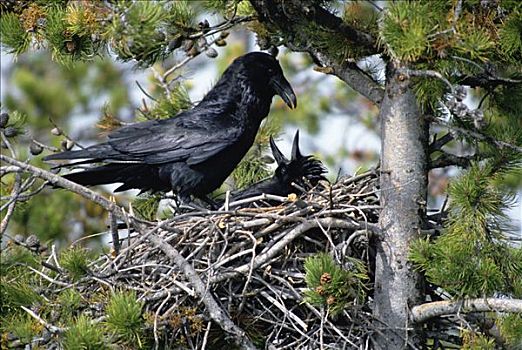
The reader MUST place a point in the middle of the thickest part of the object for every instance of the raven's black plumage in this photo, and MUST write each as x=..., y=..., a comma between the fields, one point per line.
x=193, y=152
x=295, y=170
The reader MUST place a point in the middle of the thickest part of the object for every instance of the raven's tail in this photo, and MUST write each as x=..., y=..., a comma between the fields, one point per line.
x=96, y=152
x=133, y=176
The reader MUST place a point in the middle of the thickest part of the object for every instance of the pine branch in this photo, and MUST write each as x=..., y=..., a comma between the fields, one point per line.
x=428, y=74
x=295, y=11
x=324, y=18
x=295, y=16
x=474, y=134
x=352, y=75
x=221, y=27
x=424, y=312
x=437, y=144
x=486, y=80
x=448, y=159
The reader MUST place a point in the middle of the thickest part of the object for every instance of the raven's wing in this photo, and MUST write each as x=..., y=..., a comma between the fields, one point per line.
x=177, y=139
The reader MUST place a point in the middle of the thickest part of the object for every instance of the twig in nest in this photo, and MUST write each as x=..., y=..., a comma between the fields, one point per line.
x=215, y=311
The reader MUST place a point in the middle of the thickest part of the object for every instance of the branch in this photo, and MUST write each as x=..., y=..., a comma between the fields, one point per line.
x=428, y=74
x=352, y=75
x=59, y=181
x=113, y=228
x=291, y=17
x=474, y=134
x=326, y=19
x=448, y=159
x=437, y=144
x=50, y=327
x=296, y=12
x=424, y=312
x=11, y=206
x=215, y=311
x=486, y=80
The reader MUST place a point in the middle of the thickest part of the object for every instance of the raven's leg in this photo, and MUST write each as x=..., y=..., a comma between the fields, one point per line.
x=212, y=203
x=187, y=202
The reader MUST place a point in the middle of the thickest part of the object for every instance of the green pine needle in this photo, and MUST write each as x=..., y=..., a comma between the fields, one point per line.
x=146, y=206
x=69, y=301
x=16, y=285
x=75, y=261
x=332, y=286
x=137, y=34
x=22, y=326
x=476, y=44
x=472, y=258
x=511, y=37
x=405, y=29
x=84, y=335
x=181, y=16
x=510, y=326
x=124, y=318
x=169, y=106
x=15, y=38
x=476, y=341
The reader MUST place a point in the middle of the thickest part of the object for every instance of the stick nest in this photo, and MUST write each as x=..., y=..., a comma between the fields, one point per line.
x=251, y=261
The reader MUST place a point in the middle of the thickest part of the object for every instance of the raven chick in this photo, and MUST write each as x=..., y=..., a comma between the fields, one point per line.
x=296, y=170
x=193, y=152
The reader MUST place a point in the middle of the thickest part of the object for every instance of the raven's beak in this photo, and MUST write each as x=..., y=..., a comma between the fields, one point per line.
x=278, y=155
x=282, y=88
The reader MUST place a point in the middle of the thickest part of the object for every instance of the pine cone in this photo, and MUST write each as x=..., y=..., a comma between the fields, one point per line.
x=325, y=278
x=320, y=290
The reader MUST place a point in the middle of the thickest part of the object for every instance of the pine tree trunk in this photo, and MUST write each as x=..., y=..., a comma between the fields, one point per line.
x=403, y=196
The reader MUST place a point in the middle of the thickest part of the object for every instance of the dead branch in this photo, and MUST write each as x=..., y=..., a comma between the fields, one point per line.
x=424, y=312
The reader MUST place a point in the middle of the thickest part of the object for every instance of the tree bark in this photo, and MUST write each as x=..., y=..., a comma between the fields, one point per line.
x=398, y=287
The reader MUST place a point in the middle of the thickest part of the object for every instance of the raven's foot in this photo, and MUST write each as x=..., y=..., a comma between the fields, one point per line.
x=185, y=203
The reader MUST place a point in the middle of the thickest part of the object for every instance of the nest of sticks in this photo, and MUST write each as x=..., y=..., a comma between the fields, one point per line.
x=250, y=262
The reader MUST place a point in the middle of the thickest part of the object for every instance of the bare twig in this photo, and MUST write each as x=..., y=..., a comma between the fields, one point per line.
x=215, y=311
x=69, y=185
x=244, y=261
x=476, y=134
x=113, y=227
x=424, y=312
x=50, y=327
x=429, y=74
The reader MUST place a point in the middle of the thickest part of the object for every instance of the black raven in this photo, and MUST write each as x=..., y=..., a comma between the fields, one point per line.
x=193, y=152
x=299, y=170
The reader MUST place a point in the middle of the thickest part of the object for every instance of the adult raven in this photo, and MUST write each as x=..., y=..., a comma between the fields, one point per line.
x=298, y=169
x=193, y=152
